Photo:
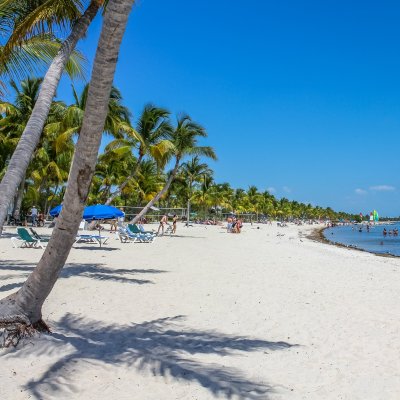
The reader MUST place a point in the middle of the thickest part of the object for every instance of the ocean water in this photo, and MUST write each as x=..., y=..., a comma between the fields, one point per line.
x=372, y=241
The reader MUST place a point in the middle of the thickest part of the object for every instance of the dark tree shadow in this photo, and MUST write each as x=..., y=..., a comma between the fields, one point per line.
x=161, y=347
x=93, y=271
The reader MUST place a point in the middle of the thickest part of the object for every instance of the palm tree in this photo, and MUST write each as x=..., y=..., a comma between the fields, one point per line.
x=30, y=137
x=12, y=125
x=30, y=42
x=253, y=197
x=117, y=119
x=24, y=308
x=192, y=171
x=203, y=197
x=184, y=140
x=150, y=136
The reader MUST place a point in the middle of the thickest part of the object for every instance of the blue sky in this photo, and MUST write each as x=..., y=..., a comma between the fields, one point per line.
x=302, y=98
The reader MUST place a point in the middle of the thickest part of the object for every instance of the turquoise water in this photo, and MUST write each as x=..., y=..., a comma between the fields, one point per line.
x=372, y=241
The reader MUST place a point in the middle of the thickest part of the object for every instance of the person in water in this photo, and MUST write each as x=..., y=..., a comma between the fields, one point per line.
x=384, y=232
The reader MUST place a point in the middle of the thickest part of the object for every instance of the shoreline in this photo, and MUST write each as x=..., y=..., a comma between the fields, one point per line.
x=317, y=235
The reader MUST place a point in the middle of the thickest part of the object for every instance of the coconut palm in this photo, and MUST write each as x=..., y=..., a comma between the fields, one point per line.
x=14, y=122
x=26, y=146
x=24, y=308
x=203, y=196
x=253, y=198
x=117, y=119
x=28, y=31
x=192, y=171
x=184, y=140
x=150, y=137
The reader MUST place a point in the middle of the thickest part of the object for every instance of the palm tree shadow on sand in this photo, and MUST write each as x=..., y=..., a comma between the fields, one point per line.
x=21, y=269
x=162, y=347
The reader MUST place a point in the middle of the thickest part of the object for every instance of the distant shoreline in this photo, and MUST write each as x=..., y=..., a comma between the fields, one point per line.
x=317, y=235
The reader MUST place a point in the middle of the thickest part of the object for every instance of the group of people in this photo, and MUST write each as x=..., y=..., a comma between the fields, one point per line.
x=164, y=222
x=234, y=225
x=394, y=232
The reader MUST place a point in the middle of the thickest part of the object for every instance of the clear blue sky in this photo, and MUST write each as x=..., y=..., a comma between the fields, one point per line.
x=302, y=97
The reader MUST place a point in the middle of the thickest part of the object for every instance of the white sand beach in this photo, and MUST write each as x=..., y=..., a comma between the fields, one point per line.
x=207, y=315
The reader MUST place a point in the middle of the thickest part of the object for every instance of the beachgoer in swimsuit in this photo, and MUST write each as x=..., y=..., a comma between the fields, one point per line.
x=163, y=221
x=229, y=224
x=174, y=220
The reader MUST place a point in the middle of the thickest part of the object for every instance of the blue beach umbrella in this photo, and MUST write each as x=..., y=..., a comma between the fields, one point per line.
x=98, y=211
x=91, y=213
x=55, y=211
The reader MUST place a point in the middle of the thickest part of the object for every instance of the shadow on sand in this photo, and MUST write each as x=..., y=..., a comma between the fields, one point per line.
x=161, y=347
x=93, y=271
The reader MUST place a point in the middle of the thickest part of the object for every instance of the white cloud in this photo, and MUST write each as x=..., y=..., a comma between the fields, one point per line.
x=383, y=188
x=286, y=189
x=271, y=189
x=360, y=191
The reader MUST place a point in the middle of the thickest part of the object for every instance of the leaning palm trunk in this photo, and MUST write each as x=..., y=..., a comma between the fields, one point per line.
x=24, y=308
x=30, y=137
x=18, y=200
x=146, y=208
x=125, y=182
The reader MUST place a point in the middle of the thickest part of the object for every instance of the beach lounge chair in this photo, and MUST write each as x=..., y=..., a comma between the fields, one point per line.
x=37, y=236
x=26, y=240
x=95, y=239
x=143, y=235
x=126, y=235
x=139, y=229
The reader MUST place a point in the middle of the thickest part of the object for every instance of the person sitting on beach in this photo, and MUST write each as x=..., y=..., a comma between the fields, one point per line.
x=233, y=225
x=163, y=222
x=239, y=225
x=98, y=226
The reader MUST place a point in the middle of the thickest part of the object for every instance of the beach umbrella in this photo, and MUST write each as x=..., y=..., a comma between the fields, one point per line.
x=98, y=211
x=55, y=211
x=93, y=213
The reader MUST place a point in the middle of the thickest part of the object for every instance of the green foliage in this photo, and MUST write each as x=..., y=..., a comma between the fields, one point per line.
x=136, y=159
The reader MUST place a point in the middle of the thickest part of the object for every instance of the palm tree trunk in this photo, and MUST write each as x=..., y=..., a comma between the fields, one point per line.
x=188, y=212
x=146, y=208
x=25, y=306
x=18, y=200
x=126, y=181
x=30, y=137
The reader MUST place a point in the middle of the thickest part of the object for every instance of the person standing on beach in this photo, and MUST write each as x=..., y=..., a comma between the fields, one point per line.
x=34, y=214
x=163, y=221
x=174, y=220
x=229, y=221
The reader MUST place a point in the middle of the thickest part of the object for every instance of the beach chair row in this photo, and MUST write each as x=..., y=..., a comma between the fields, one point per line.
x=133, y=233
x=34, y=240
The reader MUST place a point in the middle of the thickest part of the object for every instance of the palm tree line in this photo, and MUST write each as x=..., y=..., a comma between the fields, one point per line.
x=132, y=171
x=49, y=150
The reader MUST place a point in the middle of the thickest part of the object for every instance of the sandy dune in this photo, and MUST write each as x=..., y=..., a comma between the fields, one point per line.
x=210, y=315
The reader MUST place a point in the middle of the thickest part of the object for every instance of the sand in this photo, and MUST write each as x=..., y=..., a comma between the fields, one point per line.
x=208, y=315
